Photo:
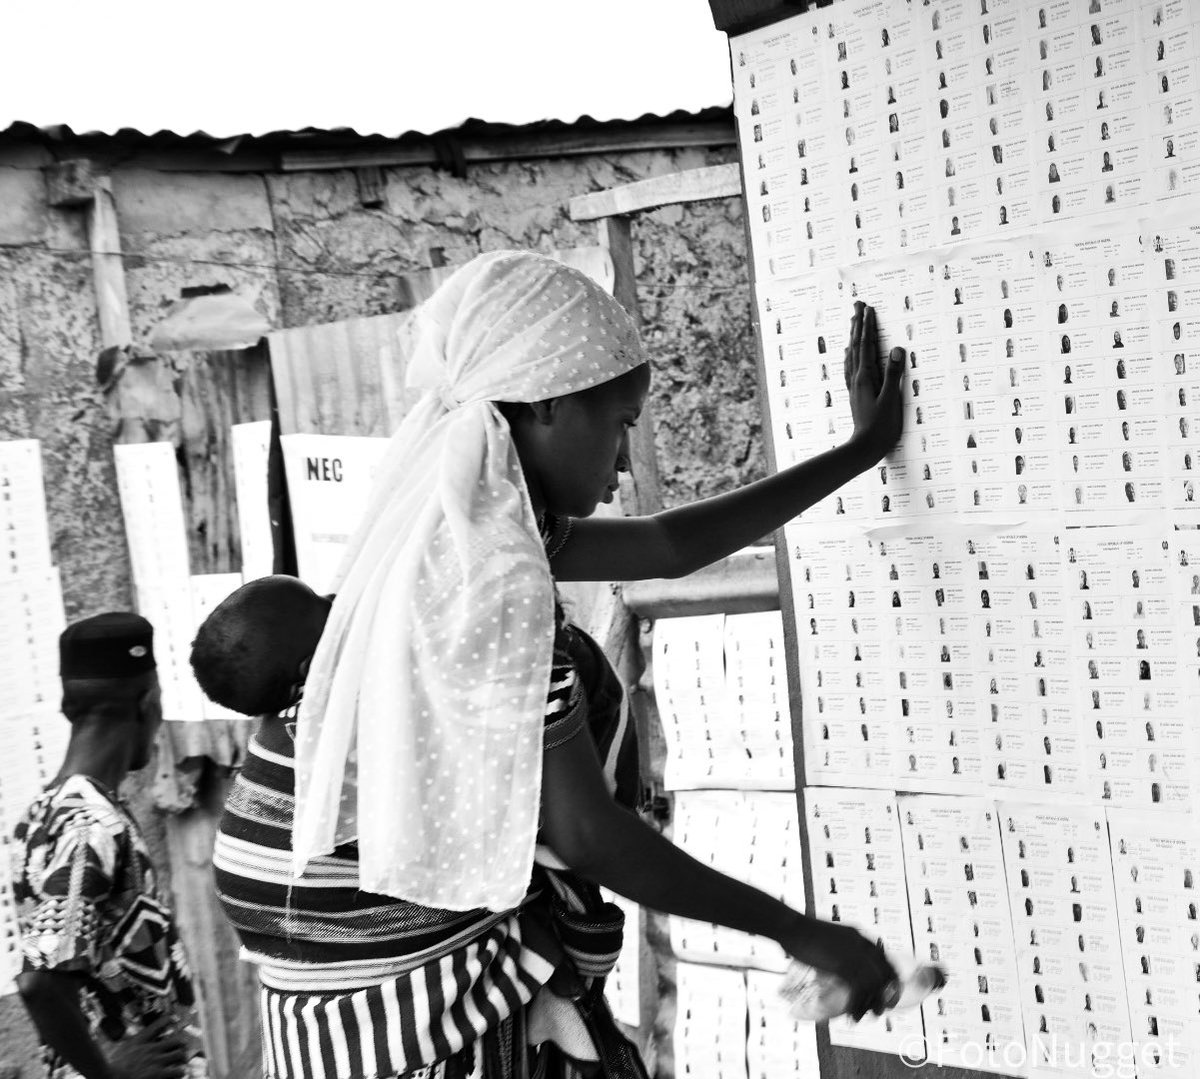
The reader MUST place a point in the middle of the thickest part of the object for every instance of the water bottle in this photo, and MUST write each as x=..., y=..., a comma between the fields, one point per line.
x=814, y=995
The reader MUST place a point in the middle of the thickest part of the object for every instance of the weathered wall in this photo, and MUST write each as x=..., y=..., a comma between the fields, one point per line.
x=337, y=260
x=304, y=250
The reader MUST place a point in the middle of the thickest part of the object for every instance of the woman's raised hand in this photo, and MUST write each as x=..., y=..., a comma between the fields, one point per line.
x=875, y=401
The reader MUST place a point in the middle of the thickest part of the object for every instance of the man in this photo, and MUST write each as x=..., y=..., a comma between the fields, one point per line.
x=104, y=977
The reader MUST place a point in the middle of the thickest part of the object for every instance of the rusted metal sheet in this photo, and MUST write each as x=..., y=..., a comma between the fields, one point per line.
x=344, y=378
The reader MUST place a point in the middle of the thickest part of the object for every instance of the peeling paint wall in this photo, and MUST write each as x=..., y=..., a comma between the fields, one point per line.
x=304, y=250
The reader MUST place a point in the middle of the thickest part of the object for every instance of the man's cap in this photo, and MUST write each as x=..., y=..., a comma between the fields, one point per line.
x=117, y=644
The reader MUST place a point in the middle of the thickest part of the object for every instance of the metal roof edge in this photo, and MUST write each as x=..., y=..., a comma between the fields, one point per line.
x=472, y=141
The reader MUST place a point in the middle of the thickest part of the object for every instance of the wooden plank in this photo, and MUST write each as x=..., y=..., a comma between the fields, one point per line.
x=646, y=494
x=520, y=146
x=693, y=185
x=71, y=183
x=743, y=582
x=227, y=988
x=619, y=630
x=108, y=268
x=217, y=390
x=372, y=186
x=417, y=287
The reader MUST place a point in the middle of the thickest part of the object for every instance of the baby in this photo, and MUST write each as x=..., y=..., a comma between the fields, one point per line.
x=253, y=651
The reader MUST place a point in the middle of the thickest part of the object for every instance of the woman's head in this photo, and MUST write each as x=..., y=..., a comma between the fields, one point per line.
x=517, y=326
x=556, y=354
x=573, y=447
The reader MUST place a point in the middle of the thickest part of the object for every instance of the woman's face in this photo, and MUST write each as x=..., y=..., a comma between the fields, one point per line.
x=572, y=448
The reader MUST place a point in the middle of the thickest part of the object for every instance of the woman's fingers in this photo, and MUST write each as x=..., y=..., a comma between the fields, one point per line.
x=894, y=373
x=868, y=362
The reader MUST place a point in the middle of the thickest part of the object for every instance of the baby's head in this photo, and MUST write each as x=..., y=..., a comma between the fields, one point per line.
x=252, y=652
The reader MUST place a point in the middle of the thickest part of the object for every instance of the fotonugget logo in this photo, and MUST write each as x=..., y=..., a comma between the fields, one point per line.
x=1098, y=1059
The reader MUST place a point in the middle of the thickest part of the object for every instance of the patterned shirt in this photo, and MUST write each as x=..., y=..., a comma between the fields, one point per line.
x=88, y=904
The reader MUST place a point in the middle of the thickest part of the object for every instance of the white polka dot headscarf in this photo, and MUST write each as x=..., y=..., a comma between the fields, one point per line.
x=420, y=732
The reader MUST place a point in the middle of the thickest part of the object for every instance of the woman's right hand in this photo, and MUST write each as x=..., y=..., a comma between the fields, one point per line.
x=846, y=953
x=876, y=405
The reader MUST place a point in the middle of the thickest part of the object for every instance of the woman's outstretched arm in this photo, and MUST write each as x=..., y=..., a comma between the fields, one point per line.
x=679, y=541
x=608, y=845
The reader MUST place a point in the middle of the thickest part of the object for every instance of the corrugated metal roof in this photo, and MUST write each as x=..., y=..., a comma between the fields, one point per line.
x=473, y=140
x=228, y=68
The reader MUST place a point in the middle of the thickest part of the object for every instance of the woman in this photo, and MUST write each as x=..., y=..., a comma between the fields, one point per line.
x=426, y=733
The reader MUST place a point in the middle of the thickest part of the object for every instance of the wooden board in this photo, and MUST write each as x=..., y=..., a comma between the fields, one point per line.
x=693, y=185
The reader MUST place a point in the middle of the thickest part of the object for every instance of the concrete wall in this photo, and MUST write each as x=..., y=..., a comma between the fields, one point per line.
x=305, y=251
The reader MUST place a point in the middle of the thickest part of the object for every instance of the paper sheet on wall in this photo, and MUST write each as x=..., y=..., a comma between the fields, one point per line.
x=757, y=694
x=689, y=689
x=1156, y=863
x=151, y=504
x=779, y=1046
x=1135, y=683
x=24, y=538
x=1043, y=116
x=752, y=836
x=720, y=684
x=857, y=864
x=1047, y=665
x=207, y=591
x=1066, y=926
x=622, y=987
x=251, y=445
x=31, y=619
x=329, y=480
x=10, y=948
x=169, y=610
x=957, y=893
x=936, y=661
x=32, y=732
x=1029, y=233
x=710, y=1022
x=1185, y=560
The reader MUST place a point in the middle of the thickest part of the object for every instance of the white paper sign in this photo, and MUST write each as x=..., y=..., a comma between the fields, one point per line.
x=329, y=480
x=251, y=443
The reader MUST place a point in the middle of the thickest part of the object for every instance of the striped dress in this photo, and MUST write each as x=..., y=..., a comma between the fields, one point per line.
x=362, y=986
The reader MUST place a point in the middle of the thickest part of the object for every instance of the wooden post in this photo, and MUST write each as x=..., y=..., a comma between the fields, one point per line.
x=619, y=635
x=616, y=237
x=108, y=268
x=145, y=405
